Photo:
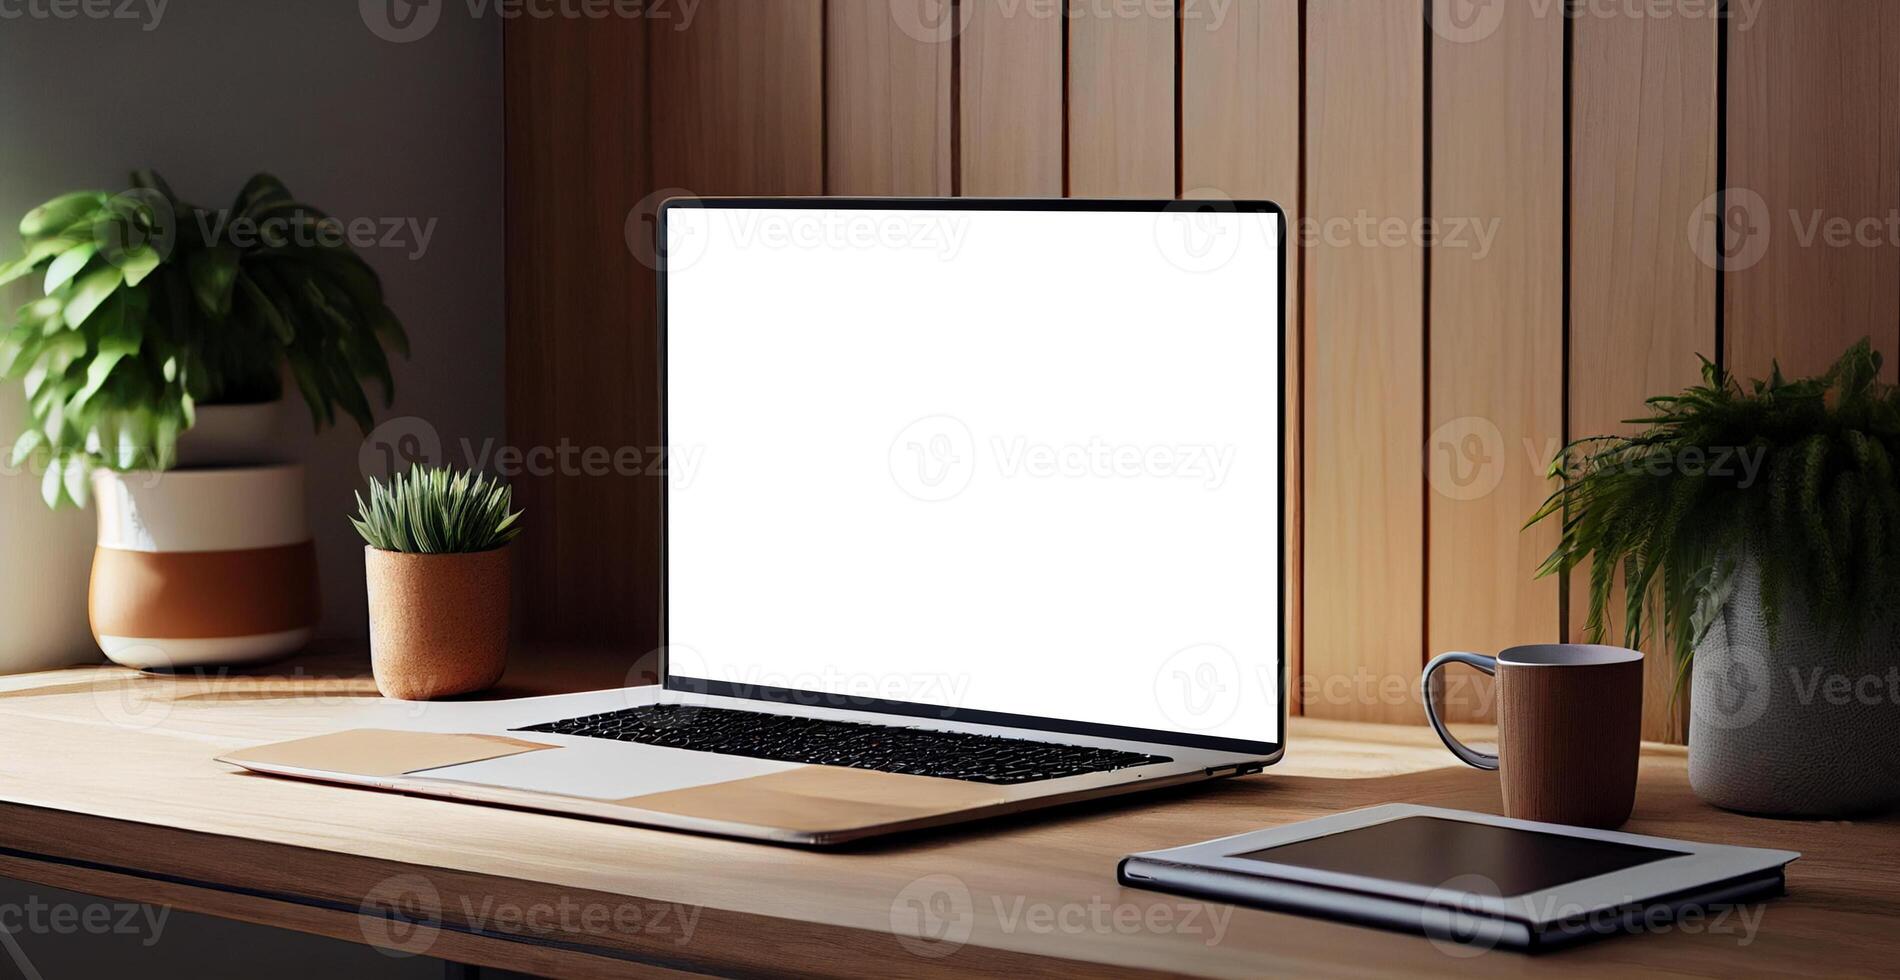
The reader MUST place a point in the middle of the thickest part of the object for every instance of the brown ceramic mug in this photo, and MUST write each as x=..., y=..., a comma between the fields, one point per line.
x=1569, y=723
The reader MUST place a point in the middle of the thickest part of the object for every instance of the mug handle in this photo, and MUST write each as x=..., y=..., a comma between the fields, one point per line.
x=1467, y=754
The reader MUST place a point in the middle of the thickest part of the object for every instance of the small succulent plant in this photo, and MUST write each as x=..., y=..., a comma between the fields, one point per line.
x=437, y=511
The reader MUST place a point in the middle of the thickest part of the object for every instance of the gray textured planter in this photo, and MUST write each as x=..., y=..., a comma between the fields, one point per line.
x=1793, y=728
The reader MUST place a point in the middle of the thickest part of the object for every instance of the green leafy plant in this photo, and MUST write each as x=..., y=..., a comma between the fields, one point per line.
x=1794, y=477
x=154, y=306
x=437, y=511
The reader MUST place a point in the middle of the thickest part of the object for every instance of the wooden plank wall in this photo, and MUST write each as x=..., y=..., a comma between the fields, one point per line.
x=581, y=366
x=1364, y=583
x=1642, y=304
x=1814, y=142
x=887, y=100
x=1013, y=123
x=1495, y=326
x=1121, y=95
x=1510, y=219
x=1240, y=140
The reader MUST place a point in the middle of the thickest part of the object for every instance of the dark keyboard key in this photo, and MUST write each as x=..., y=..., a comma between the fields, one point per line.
x=815, y=741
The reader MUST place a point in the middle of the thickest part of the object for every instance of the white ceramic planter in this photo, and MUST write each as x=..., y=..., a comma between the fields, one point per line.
x=1783, y=723
x=202, y=567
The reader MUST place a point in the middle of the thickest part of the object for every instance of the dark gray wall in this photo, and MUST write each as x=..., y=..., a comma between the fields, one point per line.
x=357, y=125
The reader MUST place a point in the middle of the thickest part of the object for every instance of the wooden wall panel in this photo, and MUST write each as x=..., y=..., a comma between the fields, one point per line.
x=530, y=353
x=580, y=352
x=1364, y=537
x=740, y=105
x=1121, y=95
x=1012, y=98
x=1240, y=140
x=887, y=98
x=1496, y=352
x=1643, y=297
x=1390, y=343
x=1812, y=130
x=588, y=152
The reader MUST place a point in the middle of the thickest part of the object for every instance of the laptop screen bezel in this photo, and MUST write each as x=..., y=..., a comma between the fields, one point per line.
x=783, y=695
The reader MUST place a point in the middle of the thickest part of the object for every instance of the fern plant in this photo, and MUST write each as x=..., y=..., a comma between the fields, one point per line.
x=1809, y=496
x=154, y=306
x=437, y=511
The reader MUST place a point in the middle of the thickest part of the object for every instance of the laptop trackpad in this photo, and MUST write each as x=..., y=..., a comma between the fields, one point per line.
x=605, y=770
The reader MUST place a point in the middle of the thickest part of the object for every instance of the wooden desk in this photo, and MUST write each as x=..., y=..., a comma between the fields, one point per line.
x=107, y=786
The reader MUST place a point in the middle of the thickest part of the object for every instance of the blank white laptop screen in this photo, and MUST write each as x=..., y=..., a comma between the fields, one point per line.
x=998, y=461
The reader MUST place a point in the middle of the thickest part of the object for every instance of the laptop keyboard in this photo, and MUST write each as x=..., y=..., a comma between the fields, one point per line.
x=787, y=738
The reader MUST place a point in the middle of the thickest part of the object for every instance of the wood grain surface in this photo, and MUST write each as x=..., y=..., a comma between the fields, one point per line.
x=1240, y=140
x=1496, y=329
x=743, y=107
x=150, y=816
x=581, y=361
x=1364, y=543
x=1642, y=300
x=1011, y=99
x=1813, y=201
x=1121, y=96
x=887, y=98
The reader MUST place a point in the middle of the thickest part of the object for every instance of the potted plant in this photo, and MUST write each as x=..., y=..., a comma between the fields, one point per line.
x=1756, y=532
x=436, y=558
x=152, y=367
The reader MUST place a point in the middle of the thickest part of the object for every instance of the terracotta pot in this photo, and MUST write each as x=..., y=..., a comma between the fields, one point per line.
x=198, y=568
x=438, y=624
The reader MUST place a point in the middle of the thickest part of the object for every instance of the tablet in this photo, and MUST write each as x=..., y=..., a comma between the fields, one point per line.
x=1469, y=878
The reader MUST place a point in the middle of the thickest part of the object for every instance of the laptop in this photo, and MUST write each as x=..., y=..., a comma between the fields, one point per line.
x=972, y=507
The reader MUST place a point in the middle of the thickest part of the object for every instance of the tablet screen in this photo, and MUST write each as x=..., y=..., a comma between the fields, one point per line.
x=1431, y=851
